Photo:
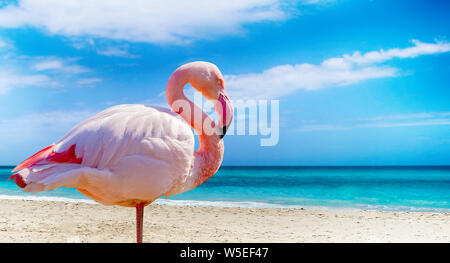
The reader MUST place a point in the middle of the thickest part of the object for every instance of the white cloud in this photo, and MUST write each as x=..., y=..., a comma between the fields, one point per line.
x=339, y=71
x=317, y=2
x=54, y=123
x=420, y=115
x=286, y=79
x=35, y=131
x=10, y=80
x=58, y=64
x=387, y=121
x=418, y=49
x=321, y=127
x=50, y=64
x=156, y=21
x=2, y=43
x=47, y=119
x=116, y=51
x=88, y=81
x=25, y=71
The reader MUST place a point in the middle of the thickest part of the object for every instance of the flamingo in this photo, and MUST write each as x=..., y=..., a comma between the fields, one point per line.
x=130, y=155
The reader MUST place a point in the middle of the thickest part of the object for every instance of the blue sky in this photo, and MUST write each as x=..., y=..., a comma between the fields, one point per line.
x=358, y=82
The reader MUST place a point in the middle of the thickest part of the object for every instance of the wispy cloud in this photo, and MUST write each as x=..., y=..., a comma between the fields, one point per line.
x=6, y=45
x=2, y=43
x=286, y=79
x=396, y=117
x=387, y=121
x=380, y=56
x=21, y=71
x=88, y=81
x=49, y=118
x=156, y=21
x=52, y=123
x=317, y=2
x=10, y=80
x=116, y=52
x=60, y=65
x=334, y=72
x=45, y=65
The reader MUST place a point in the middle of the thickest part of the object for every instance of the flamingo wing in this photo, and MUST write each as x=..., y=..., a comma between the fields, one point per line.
x=126, y=152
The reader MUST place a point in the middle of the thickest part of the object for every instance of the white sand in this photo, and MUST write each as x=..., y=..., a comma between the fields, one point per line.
x=47, y=221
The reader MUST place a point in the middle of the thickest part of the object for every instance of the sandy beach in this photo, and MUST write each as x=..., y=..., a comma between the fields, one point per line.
x=49, y=221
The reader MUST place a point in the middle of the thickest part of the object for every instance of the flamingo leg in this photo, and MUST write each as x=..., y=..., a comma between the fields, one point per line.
x=139, y=221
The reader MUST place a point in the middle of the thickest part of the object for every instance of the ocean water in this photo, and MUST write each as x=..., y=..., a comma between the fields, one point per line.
x=381, y=188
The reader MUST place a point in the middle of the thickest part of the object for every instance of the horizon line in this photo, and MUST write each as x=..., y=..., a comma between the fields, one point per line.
x=318, y=166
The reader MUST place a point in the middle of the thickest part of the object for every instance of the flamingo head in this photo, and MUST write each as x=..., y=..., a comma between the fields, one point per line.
x=207, y=79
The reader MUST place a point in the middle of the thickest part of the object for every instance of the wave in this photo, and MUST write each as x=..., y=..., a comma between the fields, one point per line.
x=159, y=202
x=46, y=198
x=240, y=204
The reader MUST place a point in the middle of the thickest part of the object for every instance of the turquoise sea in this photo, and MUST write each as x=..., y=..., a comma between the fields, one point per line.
x=405, y=188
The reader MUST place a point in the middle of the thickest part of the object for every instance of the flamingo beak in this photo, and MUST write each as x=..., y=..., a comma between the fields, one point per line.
x=225, y=110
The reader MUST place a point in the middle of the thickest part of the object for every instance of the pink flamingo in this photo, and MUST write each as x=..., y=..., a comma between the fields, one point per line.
x=130, y=155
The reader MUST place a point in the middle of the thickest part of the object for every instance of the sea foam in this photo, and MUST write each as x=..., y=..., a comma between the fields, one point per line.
x=232, y=204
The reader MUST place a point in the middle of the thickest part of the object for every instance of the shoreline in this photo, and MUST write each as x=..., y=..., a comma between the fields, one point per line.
x=239, y=204
x=50, y=221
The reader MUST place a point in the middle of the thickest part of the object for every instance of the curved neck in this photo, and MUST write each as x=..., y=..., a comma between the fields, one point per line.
x=208, y=157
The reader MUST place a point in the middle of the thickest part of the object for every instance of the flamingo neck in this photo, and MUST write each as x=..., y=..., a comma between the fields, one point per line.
x=208, y=158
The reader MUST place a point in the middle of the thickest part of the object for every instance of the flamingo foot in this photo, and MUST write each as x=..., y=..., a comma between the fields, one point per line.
x=139, y=221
